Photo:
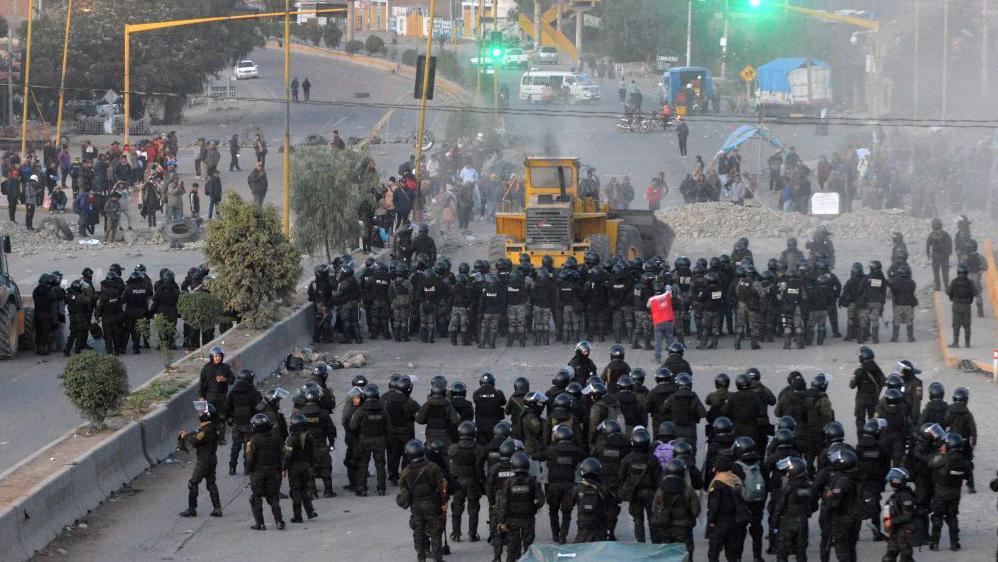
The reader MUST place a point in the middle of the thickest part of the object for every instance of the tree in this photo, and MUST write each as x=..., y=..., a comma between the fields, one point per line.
x=175, y=61
x=4, y=27
x=374, y=45
x=332, y=35
x=202, y=310
x=326, y=192
x=638, y=30
x=165, y=331
x=256, y=265
x=96, y=384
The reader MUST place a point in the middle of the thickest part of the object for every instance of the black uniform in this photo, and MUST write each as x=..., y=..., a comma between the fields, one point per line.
x=440, y=419
x=597, y=507
x=240, y=406
x=489, y=403
x=674, y=512
x=949, y=471
x=904, y=523
x=79, y=308
x=467, y=459
x=137, y=296
x=583, y=366
x=264, y=463
x=205, y=443
x=640, y=473
x=868, y=380
x=299, y=462
x=726, y=517
x=497, y=475
x=110, y=310
x=685, y=410
x=795, y=503
x=518, y=502
x=371, y=422
x=402, y=412
x=322, y=433
x=562, y=459
x=424, y=483
x=214, y=387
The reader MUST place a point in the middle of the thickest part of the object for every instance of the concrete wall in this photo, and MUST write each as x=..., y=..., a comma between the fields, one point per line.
x=35, y=519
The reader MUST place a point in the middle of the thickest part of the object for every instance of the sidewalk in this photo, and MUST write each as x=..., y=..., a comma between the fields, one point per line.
x=984, y=331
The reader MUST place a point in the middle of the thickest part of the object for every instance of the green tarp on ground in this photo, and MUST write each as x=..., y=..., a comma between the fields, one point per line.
x=606, y=552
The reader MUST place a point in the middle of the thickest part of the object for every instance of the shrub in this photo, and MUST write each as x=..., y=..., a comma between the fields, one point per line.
x=353, y=46
x=201, y=310
x=374, y=45
x=332, y=35
x=409, y=57
x=165, y=331
x=96, y=384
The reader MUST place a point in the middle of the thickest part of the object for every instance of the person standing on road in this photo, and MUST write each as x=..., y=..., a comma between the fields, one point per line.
x=962, y=293
x=264, y=463
x=216, y=376
x=423, y=491
x=371, y=424
x=234, y=154
x=938, y=247
x=260, y=147
x=258, y=183
x=298, y=462
x=212, y=158
x=240, y=406
x=306, y=87
x=205, y=443
x=12, y=189
x=294, y=90
x=683, y=133
x=518, y=502
x=213, y=191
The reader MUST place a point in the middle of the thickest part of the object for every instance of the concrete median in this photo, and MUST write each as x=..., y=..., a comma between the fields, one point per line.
x=42, y=513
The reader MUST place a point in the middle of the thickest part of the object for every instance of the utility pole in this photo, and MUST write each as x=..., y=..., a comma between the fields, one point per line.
x=426, y=86
x=561, y=11
x=724, y=43
x=984, y=48
x=10, y=68
x=918, y=62
x=689, y=31
x=26, y=73
x=62, y=80
x=537, y=25
x=350, y=22
x=287, y=114
x=945, y=104
x=480, y=37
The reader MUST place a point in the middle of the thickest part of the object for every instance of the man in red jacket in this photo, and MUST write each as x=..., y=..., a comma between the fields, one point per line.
x=662, y=318
x=656, y=192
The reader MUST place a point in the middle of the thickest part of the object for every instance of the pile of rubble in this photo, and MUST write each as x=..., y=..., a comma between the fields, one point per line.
x=725, y=220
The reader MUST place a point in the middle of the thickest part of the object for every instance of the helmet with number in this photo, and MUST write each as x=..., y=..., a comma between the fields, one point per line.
x=359, y=381
x=617, y=352
x=625, y=383
x=742, y=446
x=458, y=388
x=502, y=430
x=666, y=431
x=640, y=438
x=866, y=354
x=897, y=477
x=321, y=372
x=820, y=382
x=297, y=422
x=784, y=438
x=487, y=379
x=584, y=347
x=260, y=423
x=722, y=424
x=520, y=462
x=561, y=432
x=467, y=430
x=722, y=380
x=961, y=395
x=954, y=441
x=609, y=427
x=663, y=374
x=834, y=432
x=894, y=381
x=371, y=392
x=677, y=348
x=405, y=385
x=792, y=467
x=843, y=459
x=684, y=381
x=563, y=377
x=742, y=382
x=786, y=422
x=638, y=376
x=521, y=385
x=873, y=427
x=590, y=469
x=414, y=450
x=937, y=391
x=246, y=375
x=893, y=397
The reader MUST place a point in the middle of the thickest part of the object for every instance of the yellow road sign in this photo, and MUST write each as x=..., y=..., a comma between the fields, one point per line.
x=748, y=73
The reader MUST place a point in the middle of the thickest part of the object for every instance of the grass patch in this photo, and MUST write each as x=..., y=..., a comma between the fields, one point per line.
x=158, y=391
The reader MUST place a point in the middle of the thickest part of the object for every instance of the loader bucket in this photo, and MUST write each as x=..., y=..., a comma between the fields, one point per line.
x=656, y=236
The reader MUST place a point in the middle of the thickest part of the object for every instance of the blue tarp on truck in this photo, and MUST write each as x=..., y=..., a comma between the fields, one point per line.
x=774, y=76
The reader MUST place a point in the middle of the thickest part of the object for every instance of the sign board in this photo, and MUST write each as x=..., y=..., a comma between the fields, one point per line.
x=748, y=73
x=825, y=203
x=665, y=62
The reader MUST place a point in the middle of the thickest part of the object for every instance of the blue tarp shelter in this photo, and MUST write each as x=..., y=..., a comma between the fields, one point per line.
x=747, y=132
x=606, y=552
x=774, y=76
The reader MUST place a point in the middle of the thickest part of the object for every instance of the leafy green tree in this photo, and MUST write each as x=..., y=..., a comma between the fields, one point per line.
x=374, y=45
x=332, y=35
x=165, y=331
x=201, y=310
x=256, y=265
x=96, y=384
x=353, y=46
x=326, y=192
x=175, y=61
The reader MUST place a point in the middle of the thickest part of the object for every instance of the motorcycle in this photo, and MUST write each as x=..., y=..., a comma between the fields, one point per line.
x=637, y=123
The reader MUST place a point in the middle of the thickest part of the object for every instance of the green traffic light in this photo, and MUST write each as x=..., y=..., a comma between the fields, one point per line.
x=496, y=52
x=755, y=3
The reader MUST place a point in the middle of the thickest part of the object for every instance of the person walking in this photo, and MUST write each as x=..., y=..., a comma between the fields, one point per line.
x=260, y=148
x=294, y=90
x=213, y=191
x=683, y=133
x=306, y=87
x=258, y=183
x=234, y=154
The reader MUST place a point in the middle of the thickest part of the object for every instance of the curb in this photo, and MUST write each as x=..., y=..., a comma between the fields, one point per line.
x=952, y=361
x=33, y=520
x=991, y=276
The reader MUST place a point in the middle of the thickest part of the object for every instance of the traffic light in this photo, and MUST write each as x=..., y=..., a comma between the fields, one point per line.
x=420, y=69
x=496, y=49
x=755, y=3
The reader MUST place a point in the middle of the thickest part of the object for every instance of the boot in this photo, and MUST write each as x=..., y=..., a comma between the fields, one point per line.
x=786, y=341
x=863, y=334
x=820, y=336
x=956, y=339
x=453, y=338
x=850, y=333
x=910, y=328
x=894, y=332
x=800, y=342
x=755, y=343
x=966, y=338
x=190, y=512
x=875, y=332
x=523, y=339
x=492, y=341
x=509, y=340
x=738, y=341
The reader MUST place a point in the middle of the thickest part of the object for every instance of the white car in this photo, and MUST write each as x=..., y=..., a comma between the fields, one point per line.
x=548, y=55
x=516, y=58
x=246, y=69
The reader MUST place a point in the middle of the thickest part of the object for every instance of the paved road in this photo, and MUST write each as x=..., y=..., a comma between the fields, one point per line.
x=143, y=523
x=32, y=406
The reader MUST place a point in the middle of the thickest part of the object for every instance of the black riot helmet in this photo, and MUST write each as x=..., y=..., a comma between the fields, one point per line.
x=393, y=381
x=931, y=432
x=677, y=348
x=897, y=477
x=520, y=462
x=684, y=381
x=405, y=385
x=297, y=422
x=487, y=379
x=574, y=390
x=936, y=391
x=663, y=374
x=638, y=376
x=502, y=430
x=894, y=381
x=873, y=427
x=792, y=467
x=843, y=460
x=584, y=348
x=834, y=432
x=414, y=450
x=321, y=372
x=561, y=432
x=562, y=377
x=961, y=395
x=742, y=446
x=908, y=368
x=260, y=423
x=722, y=424
x=682, y=448
x=521, y=385
x=786, y=422
x=609, y=427
x=246, y=375
x=666, y=431
x=438, y=389
x=467, y=430
x=866, y=354
x=509, y=447
x=955, y=442
x=640, y=438
x=784, y=438
x=722, y=380
x=617, y=352
x=563, y=400
x=590, y=469
x=754, y=374
x=359, y=381
x=820, y=382
x=742, y=382
x=458, y=388
x=625, y=383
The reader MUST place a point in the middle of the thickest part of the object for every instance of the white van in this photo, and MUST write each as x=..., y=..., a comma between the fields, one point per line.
x=580, y=87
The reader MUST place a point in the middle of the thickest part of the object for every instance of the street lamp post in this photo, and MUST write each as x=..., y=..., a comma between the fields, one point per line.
x=26, y=72
x=287, y=118
x=426, y=86
x=689, y=31
x=62, y=79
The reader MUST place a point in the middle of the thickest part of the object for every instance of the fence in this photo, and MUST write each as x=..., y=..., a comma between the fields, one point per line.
x=97, y=126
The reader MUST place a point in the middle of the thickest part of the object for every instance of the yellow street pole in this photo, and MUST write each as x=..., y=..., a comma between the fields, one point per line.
x=426, y=84
x=128, y=81
x=62, y=81
x=137, y=27
x=495, y=75
x=287, y=118
x=27, y=77
x=479, y=31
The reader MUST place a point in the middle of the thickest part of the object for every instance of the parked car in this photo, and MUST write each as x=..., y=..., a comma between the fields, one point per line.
x=516, y=58
x=547, y=55
x=246, y=69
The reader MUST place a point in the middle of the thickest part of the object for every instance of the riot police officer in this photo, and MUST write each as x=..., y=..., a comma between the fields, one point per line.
x=489, y=403
x=299, y=463
x=423, y=491
x=518, y=502
x=466, y=462
x=264, y=463
x=240, y=406
x=562, y=459
x=438, y=415
x=371, y=424
x=640, y=473
x=595, y=502
x=205, y=443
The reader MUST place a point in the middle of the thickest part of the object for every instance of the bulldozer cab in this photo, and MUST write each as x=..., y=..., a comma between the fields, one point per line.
x=12, y=311
x=562, y=219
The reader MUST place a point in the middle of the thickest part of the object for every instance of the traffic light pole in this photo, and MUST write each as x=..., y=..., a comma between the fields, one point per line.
x=689, y=31
x=426, y=86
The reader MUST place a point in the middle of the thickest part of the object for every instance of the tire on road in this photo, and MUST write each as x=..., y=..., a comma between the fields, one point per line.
x=8, y=331
x=497, y=247
x=600, y=244
x=628, y=242
x=27, y=340
x=183, y=230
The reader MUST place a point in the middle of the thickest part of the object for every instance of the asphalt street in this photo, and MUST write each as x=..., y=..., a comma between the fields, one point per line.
x=142, y=523
x=33, y=409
